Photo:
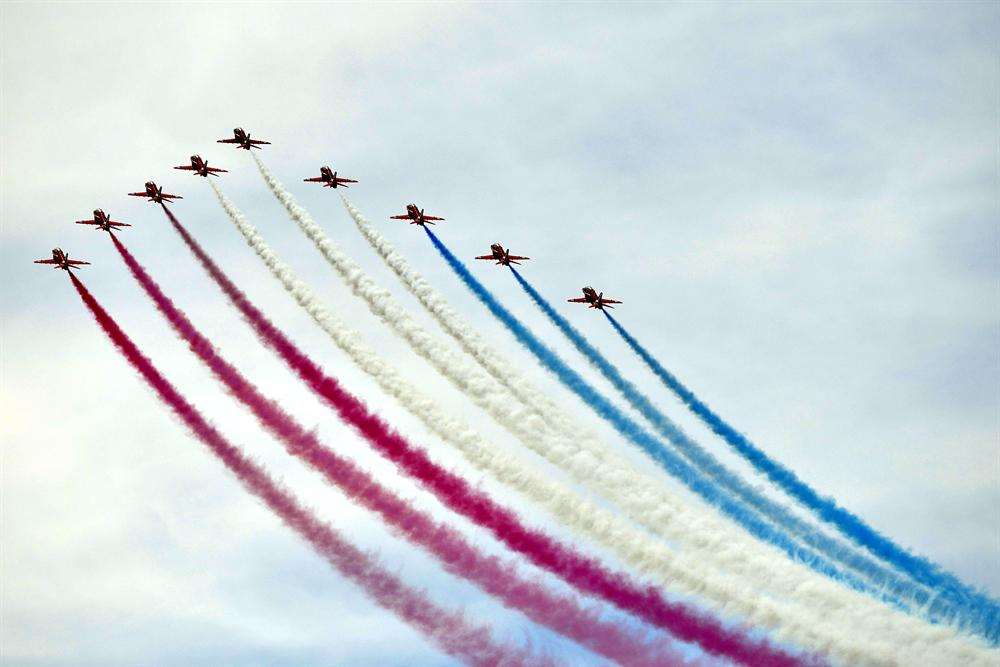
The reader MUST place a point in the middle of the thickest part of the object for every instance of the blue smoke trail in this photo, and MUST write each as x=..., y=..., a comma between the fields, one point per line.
x=748, y=519
x=708, y=464
x=943, y=606
x=852, y=526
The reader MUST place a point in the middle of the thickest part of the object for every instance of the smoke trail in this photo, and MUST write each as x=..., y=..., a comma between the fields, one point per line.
x=497, y=400
x=707, y=463
x=887, y=582
x=803, y=608
x=584, y=573
x=497, y=577
x=835, y=596
x=637, y=435
x=481, y=388
x=504, y=372
x=825, y=508
x=446, y=629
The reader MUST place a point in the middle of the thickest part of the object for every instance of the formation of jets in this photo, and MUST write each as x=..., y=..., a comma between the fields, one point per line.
x=329, y=178
x=61, y=260
x=200, y=167
x=416, y=216
x=155, y=194
x=103, y=221
x=502, y=256
x=242, y=138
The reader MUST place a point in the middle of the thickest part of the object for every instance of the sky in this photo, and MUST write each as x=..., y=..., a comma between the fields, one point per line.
x=798, y=204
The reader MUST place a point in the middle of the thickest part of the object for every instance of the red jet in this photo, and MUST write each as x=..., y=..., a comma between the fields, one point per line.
x=595, y=300
x=502, y=256
x=200, y=167
x=155, y=194
x=243, y=139
x=415, y=216
x=329, y=179
x=61, y=260
x=103, y=221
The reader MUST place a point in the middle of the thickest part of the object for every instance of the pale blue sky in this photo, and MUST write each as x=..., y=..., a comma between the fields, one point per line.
x=798, y=204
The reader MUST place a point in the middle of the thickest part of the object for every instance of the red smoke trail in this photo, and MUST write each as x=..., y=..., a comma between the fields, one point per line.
x=495, y=576
x=584, y=573
x=445, y=628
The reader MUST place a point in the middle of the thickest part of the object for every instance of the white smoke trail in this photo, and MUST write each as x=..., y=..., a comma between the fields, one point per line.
x=711, y=567
x=618, y=473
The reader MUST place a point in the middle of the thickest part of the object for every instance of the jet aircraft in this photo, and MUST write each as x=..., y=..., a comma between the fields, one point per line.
x=595, y=300
x=61, y=260
x=415, y=215
x=200, y=167
x=103, y=221
x=329, y=179
x=155, y=194
x=241, y=137
x=502, y=256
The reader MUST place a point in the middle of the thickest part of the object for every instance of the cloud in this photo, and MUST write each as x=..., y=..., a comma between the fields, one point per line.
x=798, y=206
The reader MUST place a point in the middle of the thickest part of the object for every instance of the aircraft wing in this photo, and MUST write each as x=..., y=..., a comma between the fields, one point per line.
x=486, y=257
x=516, y=257
x=609, y=301
x=258, y=142
x=117, y=225
x=186, y=168
x=171, y=197
x=138, y=194
x=76, y=262
x=86, y=222
x=314, y=179
x=399, y=217
x=345, y=180
x=46, y=261
x=432, y=217
x=582, y=299
x=227, y=141
x=216, y=170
